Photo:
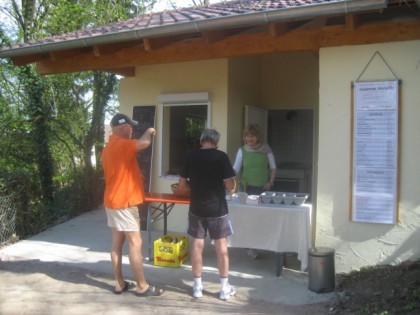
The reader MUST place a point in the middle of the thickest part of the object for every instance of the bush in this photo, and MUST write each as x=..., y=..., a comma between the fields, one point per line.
x=81, y=194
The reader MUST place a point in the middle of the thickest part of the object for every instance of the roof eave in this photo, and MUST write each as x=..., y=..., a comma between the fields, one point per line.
x=240, y=20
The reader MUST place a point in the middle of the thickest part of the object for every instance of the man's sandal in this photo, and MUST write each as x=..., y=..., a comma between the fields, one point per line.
x=151, y=291
x=124, y=289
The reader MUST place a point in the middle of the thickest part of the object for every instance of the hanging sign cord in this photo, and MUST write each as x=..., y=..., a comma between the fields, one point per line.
x=374, y=55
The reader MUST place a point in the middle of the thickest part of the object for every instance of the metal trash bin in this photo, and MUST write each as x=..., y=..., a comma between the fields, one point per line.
x=321, y=269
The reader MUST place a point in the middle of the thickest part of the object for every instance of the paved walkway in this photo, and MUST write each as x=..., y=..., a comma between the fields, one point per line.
x=67, y=270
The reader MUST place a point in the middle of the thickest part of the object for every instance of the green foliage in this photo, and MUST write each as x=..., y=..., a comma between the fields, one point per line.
x=39, y=113
x=66, y=16
x=194, y=127
x=79, y=195
x=51, y=125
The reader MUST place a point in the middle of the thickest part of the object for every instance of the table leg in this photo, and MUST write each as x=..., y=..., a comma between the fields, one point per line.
x=165, y=218
x=155, y=213
x=279, y=263
x=149, y=232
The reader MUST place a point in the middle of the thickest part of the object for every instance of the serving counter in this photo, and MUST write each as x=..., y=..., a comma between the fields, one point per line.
x=277, y=228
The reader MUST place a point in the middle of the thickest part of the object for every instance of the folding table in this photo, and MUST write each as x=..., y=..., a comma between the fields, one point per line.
x=165, y=204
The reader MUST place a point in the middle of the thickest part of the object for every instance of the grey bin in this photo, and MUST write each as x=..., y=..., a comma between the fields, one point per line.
x=321, y=269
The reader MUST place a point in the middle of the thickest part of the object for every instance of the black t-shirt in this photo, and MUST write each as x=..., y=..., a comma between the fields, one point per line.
x=206, y=170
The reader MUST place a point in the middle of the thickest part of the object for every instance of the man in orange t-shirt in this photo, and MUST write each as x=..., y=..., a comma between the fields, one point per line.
x=123, y=192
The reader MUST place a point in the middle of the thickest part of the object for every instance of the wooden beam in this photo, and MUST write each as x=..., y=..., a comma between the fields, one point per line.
x=151, y=44
x=147, y=45
x=278, y=29
x=214, y=36
x=352, y=21
x=70, y=53
x=242, y=45
x=161, y=42
x=24, y=60
x=102, y=50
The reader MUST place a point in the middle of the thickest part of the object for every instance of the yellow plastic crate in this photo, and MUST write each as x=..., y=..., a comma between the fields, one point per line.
x=171, y=250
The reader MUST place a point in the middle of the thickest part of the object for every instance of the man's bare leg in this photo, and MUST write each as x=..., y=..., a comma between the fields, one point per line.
x=222, y=257
x=197, y=256
x=118, y=239
x=136, y=260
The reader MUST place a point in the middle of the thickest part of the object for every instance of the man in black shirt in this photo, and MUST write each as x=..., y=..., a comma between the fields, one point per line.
x=210, y=174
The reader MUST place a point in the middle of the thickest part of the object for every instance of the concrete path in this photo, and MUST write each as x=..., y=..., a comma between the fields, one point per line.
x=67, y=270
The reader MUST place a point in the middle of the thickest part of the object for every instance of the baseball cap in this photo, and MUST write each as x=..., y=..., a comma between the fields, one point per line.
x=120, y=119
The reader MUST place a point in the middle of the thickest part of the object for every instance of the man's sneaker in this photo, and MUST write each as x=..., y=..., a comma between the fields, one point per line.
x=252, y=253
x=197, y=291
x=227, y=292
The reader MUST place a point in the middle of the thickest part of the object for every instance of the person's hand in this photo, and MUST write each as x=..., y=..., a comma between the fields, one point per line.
x=267, y=186
x=230, y=192
x=152, y=131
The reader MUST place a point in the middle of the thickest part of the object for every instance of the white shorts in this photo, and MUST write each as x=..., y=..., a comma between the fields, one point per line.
x=124, y=219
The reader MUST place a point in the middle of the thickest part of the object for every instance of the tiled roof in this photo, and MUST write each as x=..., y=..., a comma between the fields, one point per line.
x=169, y=22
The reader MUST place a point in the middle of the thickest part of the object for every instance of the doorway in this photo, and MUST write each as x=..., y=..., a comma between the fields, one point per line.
x=290, y=135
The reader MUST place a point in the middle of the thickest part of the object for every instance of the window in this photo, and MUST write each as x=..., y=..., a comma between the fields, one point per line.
x=183, y=117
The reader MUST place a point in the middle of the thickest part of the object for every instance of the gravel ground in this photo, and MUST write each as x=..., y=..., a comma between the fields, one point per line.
x=33, y=287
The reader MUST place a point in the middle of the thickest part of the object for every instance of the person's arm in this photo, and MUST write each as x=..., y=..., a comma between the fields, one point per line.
x=230, y=185
x=182, y=183
x=270, y=184
x=146, y=139
x=273, y=172
x=238, y=162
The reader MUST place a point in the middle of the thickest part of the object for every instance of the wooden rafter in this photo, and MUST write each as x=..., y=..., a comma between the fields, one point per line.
x=301, y=39
x=102, y=50
x=352, y=21
x=24, y=60
x=278, y=29
x=214, y=36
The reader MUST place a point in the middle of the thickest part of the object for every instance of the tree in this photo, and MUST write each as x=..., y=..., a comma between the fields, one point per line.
x=58, y=119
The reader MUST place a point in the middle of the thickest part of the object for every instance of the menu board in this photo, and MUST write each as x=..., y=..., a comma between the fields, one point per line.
x=375, y=152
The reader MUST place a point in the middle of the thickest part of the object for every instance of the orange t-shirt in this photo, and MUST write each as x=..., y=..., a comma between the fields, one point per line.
x=123, y=178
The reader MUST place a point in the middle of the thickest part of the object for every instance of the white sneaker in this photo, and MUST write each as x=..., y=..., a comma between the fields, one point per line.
x=197, y=291
x=227, y=292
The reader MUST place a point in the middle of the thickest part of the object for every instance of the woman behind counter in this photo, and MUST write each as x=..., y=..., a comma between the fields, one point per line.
x=256, y=161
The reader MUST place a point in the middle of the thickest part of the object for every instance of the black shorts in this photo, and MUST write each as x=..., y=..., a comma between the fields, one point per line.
x=218, y=227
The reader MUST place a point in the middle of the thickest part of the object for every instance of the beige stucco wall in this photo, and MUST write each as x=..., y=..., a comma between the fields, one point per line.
x=365, y=244
x=244, y=76
x=290, y=80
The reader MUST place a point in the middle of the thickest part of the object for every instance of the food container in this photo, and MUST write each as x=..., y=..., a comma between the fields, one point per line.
x=267, y=196
x=295, y=199
x=300, y=199
x=242, y=196
x=289, y=199
x=234, y=197
x=278, y=198
x=253, y=200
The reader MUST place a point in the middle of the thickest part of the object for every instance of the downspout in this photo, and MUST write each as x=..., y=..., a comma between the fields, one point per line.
x=254, y=18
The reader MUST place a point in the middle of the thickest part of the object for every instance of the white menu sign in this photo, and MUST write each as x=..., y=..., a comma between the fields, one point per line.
x=375, y=152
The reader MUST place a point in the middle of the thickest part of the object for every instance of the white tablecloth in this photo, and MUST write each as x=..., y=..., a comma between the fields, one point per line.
x=278, y=228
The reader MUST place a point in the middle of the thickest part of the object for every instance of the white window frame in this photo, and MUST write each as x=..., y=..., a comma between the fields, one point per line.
x=182, y=99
